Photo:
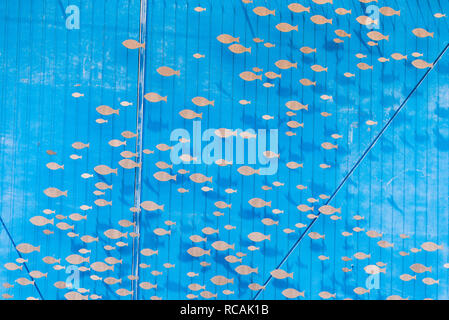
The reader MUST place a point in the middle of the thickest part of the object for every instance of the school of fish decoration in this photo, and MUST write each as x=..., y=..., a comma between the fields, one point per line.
x=316, y=71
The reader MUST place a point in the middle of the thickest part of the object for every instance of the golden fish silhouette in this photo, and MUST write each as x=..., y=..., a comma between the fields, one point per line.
x=285, y=64
x=209, y=230
x=420, y=268
x=198, y=56
x=361, y=256
x=190, y=114
x=256, y=287
x=285, y=27
x=116, y=143
x=128, y=154
x=149, y=252
x=54, y=166
x=250, y=76
x=387, y=11
x=64, y=226
x=258, y=237
x=115, y=234
x=398, y=56
x=318, y=19
x=245, y=270
x=296, y=106
x=304, y=208
x=385, y=244
x=76, y=259
x=329, y=210
x=269, y=222
x=226, y=39
x=154, y=97
x=104, y=170
x=327, y=295
x=202, y=102
x=54, y=193
x=80, y=145
x=129, y=164
x=430, y=281
x=431, y=247
x=199, y=9
x=342, y=33
x=200, y=178
x=196, y=238
x=422, y=33
x=222, y=205
x=292, y=293
x=151, y=206
x=328, y=146
x=281, y=274
x=272, y=75
x=161, y=232
x=421, y=64
x=12, y=266
x=89, y=239
x=307, y=82
x=129, y=134
x=377, y=36
x=259, y=203
x=222, y=246
x=307, y=50
x=366, y=21
x=167, y=72
x=232, y=259
x=318, y=68
x=294, y=165
x=198, y=252
x=103, y=186
x=295, y=124
x=123, y=292
x=262, y=11
x=298, y=8
x=342, y=11
x=316, y=236
x=364, y=66
x=126, y=104
x=248, y=171
x=133, y=44
x=73, y=295
x=41, y=221
x=238, y=48
x=164, y=176
x=361, y=291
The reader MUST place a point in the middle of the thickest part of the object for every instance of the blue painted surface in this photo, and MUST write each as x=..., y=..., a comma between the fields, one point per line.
x=400, y=188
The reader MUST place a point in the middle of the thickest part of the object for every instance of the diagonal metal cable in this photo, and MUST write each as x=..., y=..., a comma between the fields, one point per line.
x=354, y=167
x=139, y=147
x=20, y=256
